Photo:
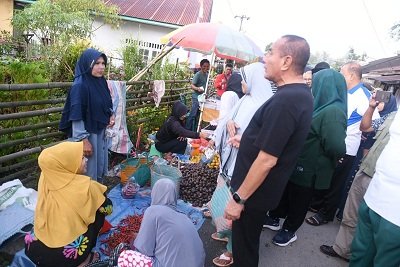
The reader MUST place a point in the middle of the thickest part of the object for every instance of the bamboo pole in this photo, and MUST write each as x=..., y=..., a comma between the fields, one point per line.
x=153, y=62
x=34, y=86
x=31, y=103
x=19, y=174
x=28, y=127
x=25, y=152
x=29, y=139
x=28, y=114
x=18, y=165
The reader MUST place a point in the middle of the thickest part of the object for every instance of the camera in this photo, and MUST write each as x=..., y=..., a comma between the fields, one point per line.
x=382, y=96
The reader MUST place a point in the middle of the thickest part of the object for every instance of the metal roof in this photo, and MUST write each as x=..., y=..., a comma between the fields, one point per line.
x=177, y=12
x=382, y=63
x=392, y=79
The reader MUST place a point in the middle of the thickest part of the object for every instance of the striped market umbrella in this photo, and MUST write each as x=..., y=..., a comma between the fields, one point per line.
x=209, y=38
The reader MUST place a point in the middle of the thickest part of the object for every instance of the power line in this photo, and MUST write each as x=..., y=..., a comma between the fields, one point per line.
x=230, y=7
x=242, y=17
x=373, y=27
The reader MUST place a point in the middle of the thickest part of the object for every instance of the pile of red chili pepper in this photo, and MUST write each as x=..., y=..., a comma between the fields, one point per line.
x=124, y=232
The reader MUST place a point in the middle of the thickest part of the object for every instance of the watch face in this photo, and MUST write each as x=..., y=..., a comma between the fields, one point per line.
x=236, y=197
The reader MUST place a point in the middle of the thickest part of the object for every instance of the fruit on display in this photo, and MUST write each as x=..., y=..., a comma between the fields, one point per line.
x=214, y=164
x=198, y=183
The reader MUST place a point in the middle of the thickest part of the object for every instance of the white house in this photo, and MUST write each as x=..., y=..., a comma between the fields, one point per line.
x=145, y=21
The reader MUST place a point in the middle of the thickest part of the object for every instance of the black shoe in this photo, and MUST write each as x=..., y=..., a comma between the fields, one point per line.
x=284, y=237
x=328, y=250
x=271, y=223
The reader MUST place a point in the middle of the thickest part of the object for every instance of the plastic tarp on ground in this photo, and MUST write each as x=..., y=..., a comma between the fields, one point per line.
x=136, y=206
x=121, y=209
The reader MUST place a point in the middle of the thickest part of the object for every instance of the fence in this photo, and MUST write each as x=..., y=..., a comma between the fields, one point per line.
x=30, y=113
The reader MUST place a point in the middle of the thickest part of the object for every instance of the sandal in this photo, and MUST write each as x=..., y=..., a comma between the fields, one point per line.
x=223, y=260
x=93, y=257
x=217, y=237
x=207, y=214
x=316, y=220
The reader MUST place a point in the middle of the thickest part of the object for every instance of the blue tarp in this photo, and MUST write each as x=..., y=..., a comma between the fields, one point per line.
x=136, y=206
x=123, y=208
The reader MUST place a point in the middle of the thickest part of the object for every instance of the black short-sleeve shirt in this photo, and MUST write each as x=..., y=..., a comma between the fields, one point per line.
x=279, y=127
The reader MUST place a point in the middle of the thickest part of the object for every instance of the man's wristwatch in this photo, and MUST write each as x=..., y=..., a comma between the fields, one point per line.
x=238, y=199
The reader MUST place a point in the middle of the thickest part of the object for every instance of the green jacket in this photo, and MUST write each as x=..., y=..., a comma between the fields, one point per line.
x=322, y=149
x=325, y=143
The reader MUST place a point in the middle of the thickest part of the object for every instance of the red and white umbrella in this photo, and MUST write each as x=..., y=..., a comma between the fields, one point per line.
x=209, y=38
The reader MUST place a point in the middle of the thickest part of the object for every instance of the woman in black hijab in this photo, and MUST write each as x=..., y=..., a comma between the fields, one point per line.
x=88, y=111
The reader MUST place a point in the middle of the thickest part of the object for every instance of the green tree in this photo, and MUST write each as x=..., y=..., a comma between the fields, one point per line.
x=57, y=24
x=352, y=55
x=268, y=47
x=395, y=31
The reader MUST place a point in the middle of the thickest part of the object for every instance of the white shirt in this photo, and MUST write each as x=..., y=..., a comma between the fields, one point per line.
x=357, y=104
x=383, y=194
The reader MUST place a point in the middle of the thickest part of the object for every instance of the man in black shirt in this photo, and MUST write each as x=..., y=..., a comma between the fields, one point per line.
x=269, y=147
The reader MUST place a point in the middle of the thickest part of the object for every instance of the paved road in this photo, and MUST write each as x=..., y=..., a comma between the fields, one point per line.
x=302, y=253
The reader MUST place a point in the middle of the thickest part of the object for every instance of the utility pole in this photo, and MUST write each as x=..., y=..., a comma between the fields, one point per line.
x=242, y=17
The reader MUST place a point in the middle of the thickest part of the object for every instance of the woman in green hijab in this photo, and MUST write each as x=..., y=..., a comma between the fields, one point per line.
x=324, y=146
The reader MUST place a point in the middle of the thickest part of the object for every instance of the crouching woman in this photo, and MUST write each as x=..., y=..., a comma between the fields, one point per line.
x=70, y=210
x=166, y=237
x=172, y=135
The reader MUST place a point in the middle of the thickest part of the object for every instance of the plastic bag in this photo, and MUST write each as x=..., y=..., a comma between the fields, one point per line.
x=142, y=175
x=130, y=189
x=208, y=155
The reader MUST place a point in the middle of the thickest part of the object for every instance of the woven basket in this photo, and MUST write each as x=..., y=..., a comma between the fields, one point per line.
x=128, y=167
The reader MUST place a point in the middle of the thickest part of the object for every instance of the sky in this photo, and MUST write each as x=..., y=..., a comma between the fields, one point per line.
x=331, y=26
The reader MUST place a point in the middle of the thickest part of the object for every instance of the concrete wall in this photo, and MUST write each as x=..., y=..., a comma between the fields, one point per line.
x=6, y=12
x=112, y=41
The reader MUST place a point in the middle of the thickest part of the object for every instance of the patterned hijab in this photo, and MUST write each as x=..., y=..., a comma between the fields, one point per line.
x=67, y=201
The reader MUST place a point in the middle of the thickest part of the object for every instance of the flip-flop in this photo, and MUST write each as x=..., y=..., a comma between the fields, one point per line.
x=215, y=236
x=94, y=256
x=223, y=260
x=207, y=214
x=316, y=220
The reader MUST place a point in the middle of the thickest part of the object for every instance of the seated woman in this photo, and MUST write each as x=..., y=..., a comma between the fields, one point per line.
x=166, y=237
x=172, y=135
x=70, y=210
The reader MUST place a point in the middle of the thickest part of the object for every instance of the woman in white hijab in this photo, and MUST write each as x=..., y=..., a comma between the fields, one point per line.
x=166, y=237
x=257, y=91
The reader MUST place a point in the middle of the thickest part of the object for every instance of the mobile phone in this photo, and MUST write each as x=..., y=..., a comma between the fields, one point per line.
x=382, y=96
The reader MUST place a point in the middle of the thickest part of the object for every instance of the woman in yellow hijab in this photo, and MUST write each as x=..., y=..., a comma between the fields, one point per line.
x=70, y=211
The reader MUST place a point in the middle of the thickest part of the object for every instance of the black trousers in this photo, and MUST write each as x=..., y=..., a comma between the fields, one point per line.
x=293, y=206
x=331, y=199
x=174, y=146
x=246, y=237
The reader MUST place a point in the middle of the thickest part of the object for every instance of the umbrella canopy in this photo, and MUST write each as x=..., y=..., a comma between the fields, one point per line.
x=208, y=38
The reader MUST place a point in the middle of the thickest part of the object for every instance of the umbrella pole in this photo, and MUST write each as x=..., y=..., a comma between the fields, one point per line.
x=205, y=92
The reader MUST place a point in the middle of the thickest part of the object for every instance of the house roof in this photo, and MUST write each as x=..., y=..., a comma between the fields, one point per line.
x=392, y=79
x=177, y=12
x=382, y=63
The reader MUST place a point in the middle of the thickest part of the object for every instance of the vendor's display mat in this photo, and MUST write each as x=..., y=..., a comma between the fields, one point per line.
x=136, y=206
